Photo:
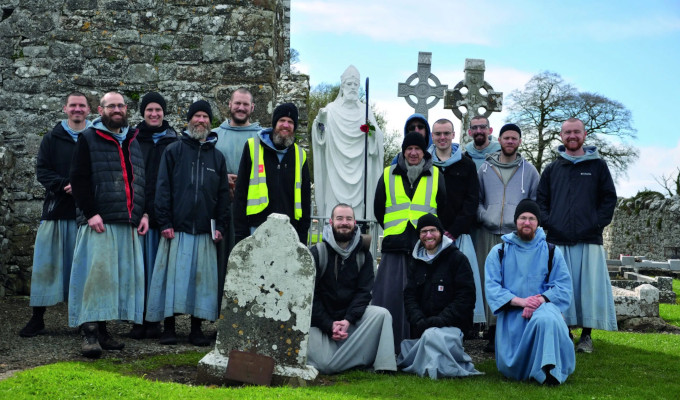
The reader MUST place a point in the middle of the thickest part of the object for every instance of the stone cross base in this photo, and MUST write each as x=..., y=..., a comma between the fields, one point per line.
x=213, y=367
x=643, y=301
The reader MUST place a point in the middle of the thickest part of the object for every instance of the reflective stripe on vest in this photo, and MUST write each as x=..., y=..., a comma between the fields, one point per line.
x=258, y=194
x=399, y=209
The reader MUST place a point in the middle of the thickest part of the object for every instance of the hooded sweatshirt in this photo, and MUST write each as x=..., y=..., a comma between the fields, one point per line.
x=479, y=156
x=422, y=118
x=577, y=198
x=231, y=140
x=501, y=188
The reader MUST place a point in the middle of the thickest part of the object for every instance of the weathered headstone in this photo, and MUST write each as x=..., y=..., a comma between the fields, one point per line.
x=472, y=94
x=267, y=304
x=422, y=90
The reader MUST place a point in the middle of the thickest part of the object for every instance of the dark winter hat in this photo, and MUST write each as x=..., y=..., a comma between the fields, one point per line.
x=429, y=220
x=510, y=127
x=285, y=110
x=528, y=205
x=200, y=105
x=152, y=97
x=414, y=139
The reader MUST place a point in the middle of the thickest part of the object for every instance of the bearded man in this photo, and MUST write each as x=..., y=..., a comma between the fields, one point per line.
x=339, y=148
x=273, y=177
x=192, y=190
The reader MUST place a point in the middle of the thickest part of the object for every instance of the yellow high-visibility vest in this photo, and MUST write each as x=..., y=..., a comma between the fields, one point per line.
x=258, y=194
x=399, y=209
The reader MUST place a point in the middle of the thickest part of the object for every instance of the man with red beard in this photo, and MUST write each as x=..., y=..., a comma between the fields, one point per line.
x=273, y=177
x=192, y=190
x=56, y=236
x=577, y=198
x=107, y=180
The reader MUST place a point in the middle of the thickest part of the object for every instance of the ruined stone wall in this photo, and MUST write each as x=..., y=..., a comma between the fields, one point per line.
x=184, y=49
x=648, y=227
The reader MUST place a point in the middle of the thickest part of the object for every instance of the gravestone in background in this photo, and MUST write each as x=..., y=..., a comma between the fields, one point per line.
x=267, y=304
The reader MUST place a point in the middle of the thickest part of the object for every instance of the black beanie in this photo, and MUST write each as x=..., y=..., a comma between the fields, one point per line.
x=285, y=110
x=510, y=127
x=200, y=105
x=429, y=220
x=414, y=139
x=528, y=205
x=152, y=97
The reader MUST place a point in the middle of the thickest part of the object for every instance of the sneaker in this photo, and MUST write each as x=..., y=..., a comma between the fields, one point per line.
x=91, y=347
x=35, y=326
x=137, y=332
x=585, y=344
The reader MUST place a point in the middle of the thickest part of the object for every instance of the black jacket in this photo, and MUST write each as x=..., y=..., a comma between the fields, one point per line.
x=152, y=158
x=52, y=168
x=192, y=187
x=462, y=196
x=280, y=185
x=440, y=294
x=577, y=201
x=108, y=178
x=405, y=241
x=345, y=297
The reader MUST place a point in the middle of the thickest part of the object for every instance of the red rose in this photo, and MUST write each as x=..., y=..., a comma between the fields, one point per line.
x=364, y=128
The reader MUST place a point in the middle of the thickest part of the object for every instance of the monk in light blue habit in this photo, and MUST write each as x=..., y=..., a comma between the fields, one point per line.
x=528, y=292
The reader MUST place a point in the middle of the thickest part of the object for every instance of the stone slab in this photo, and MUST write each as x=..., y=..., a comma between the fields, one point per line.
x=643, y=301
x=674, y=265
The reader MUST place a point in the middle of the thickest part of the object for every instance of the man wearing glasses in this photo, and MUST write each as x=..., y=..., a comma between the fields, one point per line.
x=107, y=180
x=481, y=146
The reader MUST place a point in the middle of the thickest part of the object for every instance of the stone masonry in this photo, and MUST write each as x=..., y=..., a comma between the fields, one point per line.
x=184, y=49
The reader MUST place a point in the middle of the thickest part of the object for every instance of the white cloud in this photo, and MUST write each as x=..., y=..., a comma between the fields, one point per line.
x=441, y=21
x=653, y=162
x=635, y=27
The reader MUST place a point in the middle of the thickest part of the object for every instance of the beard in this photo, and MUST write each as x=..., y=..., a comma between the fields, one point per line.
x=342, y=237
x=114, y=125
x=509, y=154
x=480, y=139
x=280, y=141
x=527, y=237
x=198, y=132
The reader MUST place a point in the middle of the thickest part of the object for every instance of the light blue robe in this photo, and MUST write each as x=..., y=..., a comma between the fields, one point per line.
x=464, y=244
x=184, y=278
x=529, y=348
x=52, y=259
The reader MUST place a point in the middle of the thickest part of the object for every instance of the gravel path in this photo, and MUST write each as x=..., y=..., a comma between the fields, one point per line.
x=61, y=343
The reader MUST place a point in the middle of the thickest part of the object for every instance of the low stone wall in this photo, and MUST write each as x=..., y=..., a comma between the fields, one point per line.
x=648, y=227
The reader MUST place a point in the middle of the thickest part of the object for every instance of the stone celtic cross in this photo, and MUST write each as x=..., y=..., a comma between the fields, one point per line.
x=422, y=90
x=472, y=94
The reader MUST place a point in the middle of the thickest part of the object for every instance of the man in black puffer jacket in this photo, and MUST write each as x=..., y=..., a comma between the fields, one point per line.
x=439, y=300
x=107, y=180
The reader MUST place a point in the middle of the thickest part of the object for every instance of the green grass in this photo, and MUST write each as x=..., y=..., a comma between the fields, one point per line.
x=671, y=312
x=624, y=366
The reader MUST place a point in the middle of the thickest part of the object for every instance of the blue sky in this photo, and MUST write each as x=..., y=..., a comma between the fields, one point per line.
x=626, y=50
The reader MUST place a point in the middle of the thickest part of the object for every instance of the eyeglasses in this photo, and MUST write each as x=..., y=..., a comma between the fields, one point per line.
x=442, y=133
x=425, y=232
x=111, y=107
x=416, y=126
x=478, y=127
x=529, y=219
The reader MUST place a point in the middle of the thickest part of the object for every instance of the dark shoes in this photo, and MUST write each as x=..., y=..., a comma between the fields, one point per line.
x=169, y=337
x=197, y=338
x=150, y=330
x=585, y=344
x=91, y=347
x=106, y=341
x=137, y=332
x=35, y=326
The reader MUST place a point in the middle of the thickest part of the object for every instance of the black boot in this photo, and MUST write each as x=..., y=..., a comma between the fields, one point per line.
x=168, y=336
x=35, y=325
x=491, y=346
x=106, y=341
x=196, y=336
x=91, y=347
x=152, y=330
x=137, y=332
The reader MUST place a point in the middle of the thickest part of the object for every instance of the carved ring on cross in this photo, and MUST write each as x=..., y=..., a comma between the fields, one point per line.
x=422, y=90
x=472, y=102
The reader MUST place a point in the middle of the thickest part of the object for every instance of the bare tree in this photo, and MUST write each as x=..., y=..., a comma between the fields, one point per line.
x=546, y=101
x=670, y=184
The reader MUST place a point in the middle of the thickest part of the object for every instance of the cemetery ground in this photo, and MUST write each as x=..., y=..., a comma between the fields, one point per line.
x=625, y=365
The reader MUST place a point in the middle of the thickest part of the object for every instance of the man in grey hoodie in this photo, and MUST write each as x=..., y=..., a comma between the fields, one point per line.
x=505, y=178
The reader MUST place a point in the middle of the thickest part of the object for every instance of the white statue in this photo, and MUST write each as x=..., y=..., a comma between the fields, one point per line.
x=338, y=145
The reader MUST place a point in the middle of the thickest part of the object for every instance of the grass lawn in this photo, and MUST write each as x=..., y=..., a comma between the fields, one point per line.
x=624, y=366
